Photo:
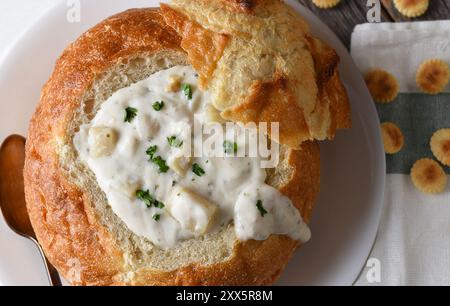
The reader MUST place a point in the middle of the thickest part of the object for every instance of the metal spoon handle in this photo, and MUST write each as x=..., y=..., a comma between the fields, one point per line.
x=12, y=196
x=52, y=273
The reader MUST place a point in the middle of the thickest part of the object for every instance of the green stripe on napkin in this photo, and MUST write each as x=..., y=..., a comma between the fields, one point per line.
x=418, y=116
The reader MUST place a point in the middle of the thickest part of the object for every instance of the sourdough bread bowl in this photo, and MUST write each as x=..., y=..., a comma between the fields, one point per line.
x=82, y=235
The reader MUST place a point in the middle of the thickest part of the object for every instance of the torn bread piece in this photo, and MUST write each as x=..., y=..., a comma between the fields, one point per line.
x=260, y=63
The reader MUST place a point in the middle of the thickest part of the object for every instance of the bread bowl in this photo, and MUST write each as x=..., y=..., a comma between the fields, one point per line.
x=81, y=234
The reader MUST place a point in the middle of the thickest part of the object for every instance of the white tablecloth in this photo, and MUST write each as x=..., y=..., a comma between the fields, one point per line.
x=413, y=245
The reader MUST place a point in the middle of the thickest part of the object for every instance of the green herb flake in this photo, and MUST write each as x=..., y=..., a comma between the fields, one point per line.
x=174, y=141
x=187, y=89
x=156, y=217
x=159, y=204
x=145, y=197
x=148, y=199
x=230, y=147
x=198, y=170
x=130, y=114
x=157, y=160
x=151, y=151
x=261, y=208
x=159, y=105
x=161, y=163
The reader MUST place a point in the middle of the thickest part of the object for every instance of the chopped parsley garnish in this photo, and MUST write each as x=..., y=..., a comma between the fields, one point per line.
x=187, y=89
x=159, y=204
x=174, y=141
x=148, y=199
x=151, y=151
x=145, y=197
x=130, y=114
x=230, y=147
x=198, y=170
x=157, y=160
x=156, y=217
x=161, y=163
x=159, y=105
x=261, y=208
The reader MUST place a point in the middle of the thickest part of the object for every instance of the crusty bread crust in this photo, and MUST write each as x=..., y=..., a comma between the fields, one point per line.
x=275, y=63
x=64, y=215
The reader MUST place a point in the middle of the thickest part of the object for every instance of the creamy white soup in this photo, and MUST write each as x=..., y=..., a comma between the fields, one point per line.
x=136, y=148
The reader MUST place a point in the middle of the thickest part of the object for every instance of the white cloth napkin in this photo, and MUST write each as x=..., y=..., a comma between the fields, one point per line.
x=400, y=48
x=413, y=244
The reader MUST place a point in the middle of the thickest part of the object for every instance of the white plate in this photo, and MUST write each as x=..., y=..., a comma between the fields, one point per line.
x=353, y=169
